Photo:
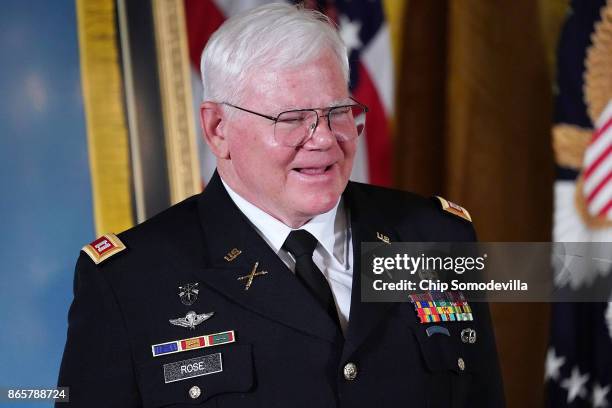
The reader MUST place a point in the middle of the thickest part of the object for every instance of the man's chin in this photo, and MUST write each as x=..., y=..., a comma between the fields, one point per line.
x=320, y=204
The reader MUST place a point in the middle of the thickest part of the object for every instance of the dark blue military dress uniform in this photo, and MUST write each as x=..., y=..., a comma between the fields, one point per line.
x=278, y=347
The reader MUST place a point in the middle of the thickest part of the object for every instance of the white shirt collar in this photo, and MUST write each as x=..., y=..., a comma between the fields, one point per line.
x=324, y=227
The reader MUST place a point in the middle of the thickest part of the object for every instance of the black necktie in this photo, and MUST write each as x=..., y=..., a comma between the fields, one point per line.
x=301, y=244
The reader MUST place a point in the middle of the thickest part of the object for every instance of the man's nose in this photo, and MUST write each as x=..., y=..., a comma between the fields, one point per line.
x=322, y=138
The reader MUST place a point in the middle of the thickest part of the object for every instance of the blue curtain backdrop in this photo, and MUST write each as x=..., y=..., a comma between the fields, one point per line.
x=46, y=205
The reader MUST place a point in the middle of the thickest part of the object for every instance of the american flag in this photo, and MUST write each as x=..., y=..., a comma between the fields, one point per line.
x=578, y=366
x=597, y=173
x=365, y=32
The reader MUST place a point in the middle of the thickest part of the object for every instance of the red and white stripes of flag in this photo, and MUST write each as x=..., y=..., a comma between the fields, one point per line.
x=597, y=174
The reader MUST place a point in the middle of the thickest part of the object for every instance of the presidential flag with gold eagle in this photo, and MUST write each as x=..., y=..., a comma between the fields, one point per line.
x=578, y=370
x=365, y=31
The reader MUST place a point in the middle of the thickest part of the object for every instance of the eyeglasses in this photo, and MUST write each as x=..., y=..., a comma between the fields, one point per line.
x=295, y=127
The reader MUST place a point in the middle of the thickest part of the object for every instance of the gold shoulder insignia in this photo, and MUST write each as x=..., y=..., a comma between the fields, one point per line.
x=454, y=209
x=103, y=248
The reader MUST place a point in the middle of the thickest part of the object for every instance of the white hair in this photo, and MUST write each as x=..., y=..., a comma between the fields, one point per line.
x=276, y=35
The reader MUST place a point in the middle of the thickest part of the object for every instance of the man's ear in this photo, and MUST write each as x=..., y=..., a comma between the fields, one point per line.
x=212, y=120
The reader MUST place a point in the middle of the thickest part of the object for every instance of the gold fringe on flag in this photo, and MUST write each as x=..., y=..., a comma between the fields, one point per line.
x=175, y=86
x=569, y=144
x=395, y=11
x=598, y=75
x=107, y=134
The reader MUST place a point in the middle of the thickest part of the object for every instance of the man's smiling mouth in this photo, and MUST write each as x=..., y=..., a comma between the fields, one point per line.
x=313, y=170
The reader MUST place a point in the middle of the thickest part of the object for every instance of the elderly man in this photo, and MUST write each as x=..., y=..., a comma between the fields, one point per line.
x=247, y=295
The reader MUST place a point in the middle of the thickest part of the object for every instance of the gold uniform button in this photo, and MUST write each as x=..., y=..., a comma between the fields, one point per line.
x=461, y=364
x=195, y=392
x=350, y=371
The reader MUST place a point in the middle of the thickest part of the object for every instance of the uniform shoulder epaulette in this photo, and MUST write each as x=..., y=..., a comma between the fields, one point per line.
x=454, y=208
x=103, y=248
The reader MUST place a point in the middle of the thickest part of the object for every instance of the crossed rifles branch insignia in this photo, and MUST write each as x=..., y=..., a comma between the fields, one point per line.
x=252, y=276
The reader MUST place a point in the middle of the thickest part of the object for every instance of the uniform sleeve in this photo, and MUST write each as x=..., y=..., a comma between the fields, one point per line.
x=97, y=363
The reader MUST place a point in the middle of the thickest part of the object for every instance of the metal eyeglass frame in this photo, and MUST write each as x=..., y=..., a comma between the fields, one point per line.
x=313, y=128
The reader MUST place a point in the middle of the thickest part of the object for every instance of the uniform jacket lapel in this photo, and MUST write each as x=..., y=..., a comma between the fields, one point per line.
x=277, y=295
x=368, y=224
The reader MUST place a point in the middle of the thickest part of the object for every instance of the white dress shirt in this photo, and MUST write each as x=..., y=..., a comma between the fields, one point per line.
x=333, y=254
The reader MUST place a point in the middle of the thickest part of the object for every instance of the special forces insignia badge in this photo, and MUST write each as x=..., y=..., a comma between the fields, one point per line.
x=191, y=319
x=189, y=293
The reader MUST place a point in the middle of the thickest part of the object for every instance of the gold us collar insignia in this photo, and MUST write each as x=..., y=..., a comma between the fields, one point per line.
x=383, y=238
x=252, y=276
x=233, y=254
